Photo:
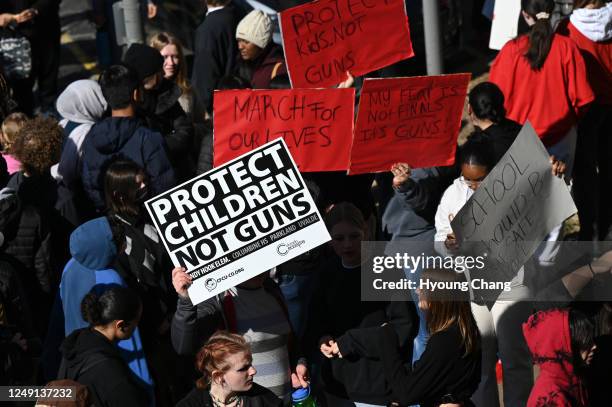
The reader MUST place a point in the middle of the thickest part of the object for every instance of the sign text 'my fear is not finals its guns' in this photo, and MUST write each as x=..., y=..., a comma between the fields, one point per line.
x=238, y=220
x=414, y=120
x=324, y=39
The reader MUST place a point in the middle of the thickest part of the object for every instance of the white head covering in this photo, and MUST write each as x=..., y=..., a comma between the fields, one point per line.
x=255, y=28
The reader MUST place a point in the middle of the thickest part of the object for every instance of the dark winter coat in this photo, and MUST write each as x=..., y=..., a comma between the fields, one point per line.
x=91, y=359
x=46, y=22
x=215, y=55
x=164, y=114
x=502, y=135
x=337, y=308
x=27, y=233
x=443, y=374
x=264, y=68
x=124, y=137
x=257, y=396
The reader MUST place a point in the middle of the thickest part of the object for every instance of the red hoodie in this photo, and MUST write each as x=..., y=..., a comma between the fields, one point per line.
x=552, y=98
x=548, y=337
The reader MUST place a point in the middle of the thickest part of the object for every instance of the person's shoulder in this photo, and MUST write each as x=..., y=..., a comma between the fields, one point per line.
x=196, y=398
x=264, y=396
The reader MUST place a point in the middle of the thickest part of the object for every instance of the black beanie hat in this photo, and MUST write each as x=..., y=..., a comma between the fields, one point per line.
x=143, y=60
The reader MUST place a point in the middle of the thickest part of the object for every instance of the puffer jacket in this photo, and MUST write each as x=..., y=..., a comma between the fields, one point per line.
x=124, y=137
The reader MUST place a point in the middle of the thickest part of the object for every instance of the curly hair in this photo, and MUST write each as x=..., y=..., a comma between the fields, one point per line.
x=38, y=145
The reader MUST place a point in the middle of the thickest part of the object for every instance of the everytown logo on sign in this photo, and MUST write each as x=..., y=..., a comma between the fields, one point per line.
x=238, y=220
x=284, y=248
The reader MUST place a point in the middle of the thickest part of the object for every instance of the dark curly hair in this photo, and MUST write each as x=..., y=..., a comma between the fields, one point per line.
x=38, y=145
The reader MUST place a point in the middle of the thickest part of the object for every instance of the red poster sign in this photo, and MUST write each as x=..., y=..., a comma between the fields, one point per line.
x=413, y=120
x=316, y=124
x=326, y=38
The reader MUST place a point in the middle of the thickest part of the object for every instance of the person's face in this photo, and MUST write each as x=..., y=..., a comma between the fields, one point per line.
x=248, y=50
x=587, y=355
x=152, y=81
x=473, y=175
x=240, y=375
x=171, y=60
x=346, y=242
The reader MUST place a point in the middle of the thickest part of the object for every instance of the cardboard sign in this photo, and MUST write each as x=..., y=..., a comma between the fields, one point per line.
x=505, y=22
x=324, y=39
x=514, y=208
x=316, y=124
x=413, y=120
x=238, y=220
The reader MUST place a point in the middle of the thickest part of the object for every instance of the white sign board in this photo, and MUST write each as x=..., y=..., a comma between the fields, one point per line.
x=238, y=220
x=514, y=208
x=505, y=22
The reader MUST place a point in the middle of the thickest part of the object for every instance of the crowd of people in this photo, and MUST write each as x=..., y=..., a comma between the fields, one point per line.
x=89, y=297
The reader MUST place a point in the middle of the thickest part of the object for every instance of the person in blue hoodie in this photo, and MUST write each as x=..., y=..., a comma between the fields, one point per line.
x=94, y=248
x=123, y=135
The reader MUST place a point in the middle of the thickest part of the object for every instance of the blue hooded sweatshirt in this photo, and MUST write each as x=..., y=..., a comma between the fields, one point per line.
x=93, y=252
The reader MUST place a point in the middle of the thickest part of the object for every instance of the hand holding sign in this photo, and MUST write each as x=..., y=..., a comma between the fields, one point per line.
x=236, y=221
x=324, y=39
x=414, y=120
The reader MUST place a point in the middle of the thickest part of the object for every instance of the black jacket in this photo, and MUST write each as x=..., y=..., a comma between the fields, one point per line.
x=47, y=22
x=215, y=54
x=443, y=369
x=501, y=136
x=164, y=114
x=123, y=137
x=337, y=308
x=91, y=359
x=257, y=396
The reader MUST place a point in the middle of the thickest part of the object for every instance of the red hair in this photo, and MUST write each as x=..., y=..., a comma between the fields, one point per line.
x=212, y=358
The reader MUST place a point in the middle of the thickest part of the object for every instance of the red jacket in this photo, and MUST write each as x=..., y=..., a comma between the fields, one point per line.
x=552, y=98
x=548, y=337
x=598, y=59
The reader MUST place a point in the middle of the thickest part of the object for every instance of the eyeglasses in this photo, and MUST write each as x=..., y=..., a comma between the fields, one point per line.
x=470, y=183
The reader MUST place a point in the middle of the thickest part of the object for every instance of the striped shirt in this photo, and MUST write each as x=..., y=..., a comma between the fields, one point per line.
x=262, y=322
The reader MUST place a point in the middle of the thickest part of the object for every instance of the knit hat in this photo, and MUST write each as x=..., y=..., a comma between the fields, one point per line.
x=255, y=28
x=143, y=60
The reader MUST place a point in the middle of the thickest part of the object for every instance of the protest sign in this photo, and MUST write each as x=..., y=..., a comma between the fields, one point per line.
x=238, y=220
x=316, y=124
x=413, y=120
x=514, y=208
x=505, y=22
x=325, y=39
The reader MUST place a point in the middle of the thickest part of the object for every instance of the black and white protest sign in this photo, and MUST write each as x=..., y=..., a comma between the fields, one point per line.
x=514, y=208
x=238, y=220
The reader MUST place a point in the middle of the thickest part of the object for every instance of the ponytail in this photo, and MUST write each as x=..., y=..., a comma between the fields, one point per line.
x=541, y=34
x=113, y=304
x=487, y=102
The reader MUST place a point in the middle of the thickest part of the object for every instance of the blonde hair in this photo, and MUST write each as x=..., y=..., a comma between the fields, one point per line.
x=450, y=306
x=163, y=39
x=10, y=128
